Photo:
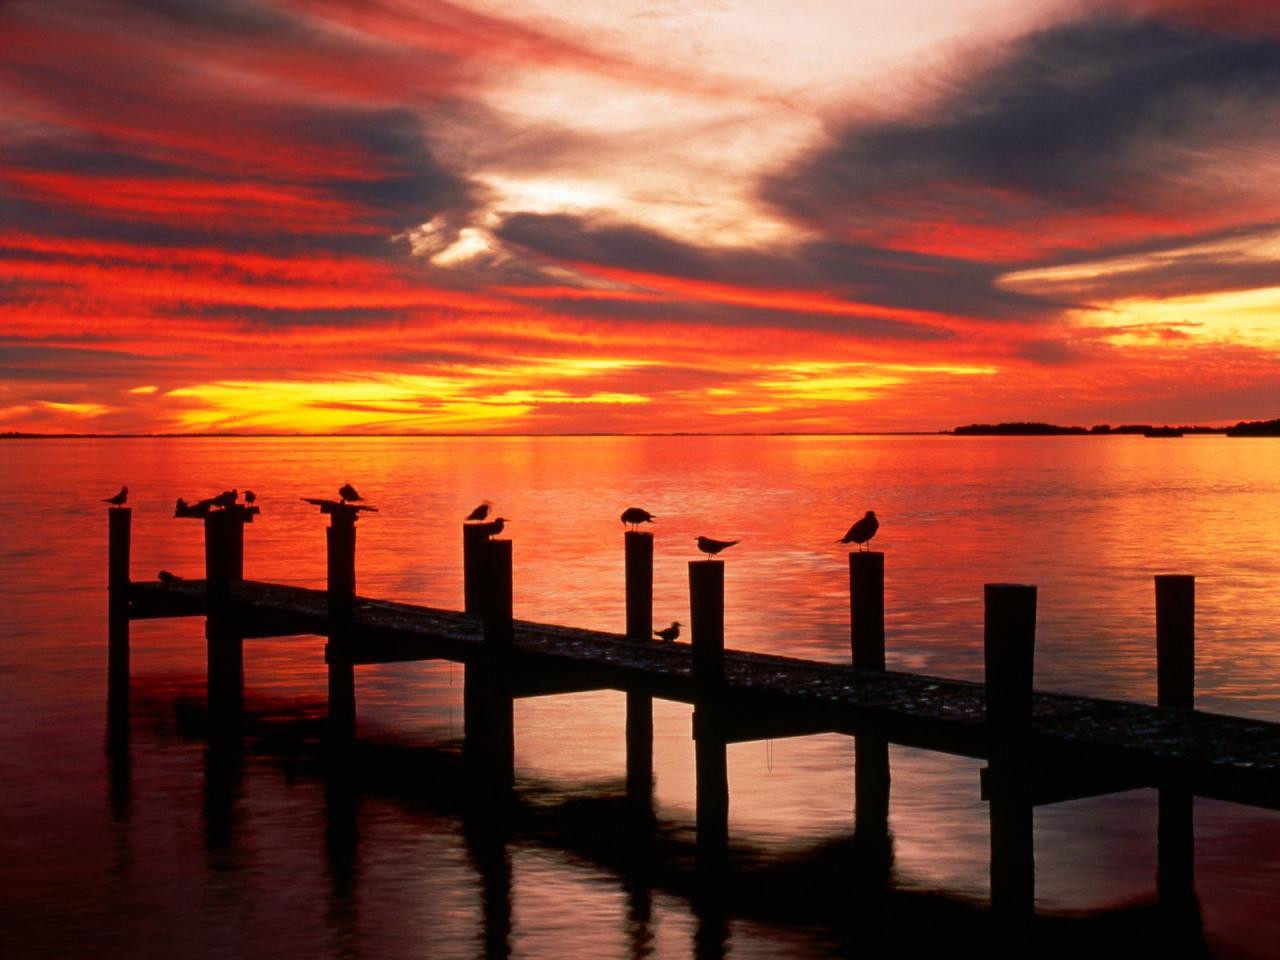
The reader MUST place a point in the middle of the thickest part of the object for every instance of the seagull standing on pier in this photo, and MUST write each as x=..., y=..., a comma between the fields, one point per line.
x=348, y=493
x=250, y=496
x=862, y=531
x=670, y=633
x=634, y=516
x=712, y=547
x=119, y=499
x=167, y=578
x=479, y=513
x=227, y=498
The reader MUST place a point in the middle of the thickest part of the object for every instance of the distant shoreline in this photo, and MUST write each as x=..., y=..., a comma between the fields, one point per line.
x=1245, y=428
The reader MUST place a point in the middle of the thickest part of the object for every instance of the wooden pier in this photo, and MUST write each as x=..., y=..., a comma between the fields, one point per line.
x=1040, y=747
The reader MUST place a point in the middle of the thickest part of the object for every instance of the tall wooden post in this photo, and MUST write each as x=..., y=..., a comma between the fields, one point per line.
x=1175, y=690
x=1009, y=652
x=474, y=541
x=341, y=553
x=224, y=563
x=871, y=752
x=489, y=745
x=119, y=524
x=706, y=613
x=639, y=587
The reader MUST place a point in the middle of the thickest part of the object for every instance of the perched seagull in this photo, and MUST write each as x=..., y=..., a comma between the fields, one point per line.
x=250, y=496
x=480, y=512
x=635, y=516
x=348, y=493
x=493, y=527
x=227, y=498
x=712, y=547
x=119, y=499
x=167, y=578
x=863, y=530
x=669, y=634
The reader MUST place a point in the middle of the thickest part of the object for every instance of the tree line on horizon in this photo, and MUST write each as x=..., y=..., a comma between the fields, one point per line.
x=1245, y=428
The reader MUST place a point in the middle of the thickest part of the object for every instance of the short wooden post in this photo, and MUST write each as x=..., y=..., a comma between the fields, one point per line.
x=474, y=541
x=119, y=524
x=489, y=746
x=224, y=563
x=1175, y=640
x=639, y=597
x=1175, y=689
x=1009, y=652
x=706, y=615
x=871, y=752
x=341, y=553
x=866, y=609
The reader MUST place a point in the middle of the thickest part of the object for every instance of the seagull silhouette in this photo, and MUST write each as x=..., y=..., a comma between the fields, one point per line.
x=634, y=516
x=227, y=498
x=493, y=527
x=348, y=493
x=669, y=634
x=167, y=578
x=863, y=530
x=480, y=512
x=712, y=547
x=119, y=499
x=250, y=496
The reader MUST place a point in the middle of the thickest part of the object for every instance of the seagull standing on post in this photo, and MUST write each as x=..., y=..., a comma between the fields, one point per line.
x=493, y=527
x=862, y=531
x=634, y=516
x=348, y=493
x=480, y=512
x=712, y=547
x=119, y=499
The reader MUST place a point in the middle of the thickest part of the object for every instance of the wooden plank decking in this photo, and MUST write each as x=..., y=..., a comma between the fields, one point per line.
x=770, y=696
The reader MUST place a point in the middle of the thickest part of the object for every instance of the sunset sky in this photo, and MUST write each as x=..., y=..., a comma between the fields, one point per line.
x=725, y=215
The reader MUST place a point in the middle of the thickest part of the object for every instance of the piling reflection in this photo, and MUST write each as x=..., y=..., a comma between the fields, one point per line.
x=119, y=757
x=487, y=849
x=223, y=782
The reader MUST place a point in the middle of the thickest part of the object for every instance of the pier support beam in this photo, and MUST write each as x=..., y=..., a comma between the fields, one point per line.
x=1175, y=690
x=639, y=586
x=871, y=752
x=489, y=706
x=223, y=564
x=341, y=553
x=706, y=610
x=1009, y=637
x=119, y=535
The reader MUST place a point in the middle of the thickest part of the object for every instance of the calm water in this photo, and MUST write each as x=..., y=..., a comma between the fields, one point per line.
x=150, y=844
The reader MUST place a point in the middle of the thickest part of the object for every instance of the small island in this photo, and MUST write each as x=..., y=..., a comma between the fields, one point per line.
x=1245, y=428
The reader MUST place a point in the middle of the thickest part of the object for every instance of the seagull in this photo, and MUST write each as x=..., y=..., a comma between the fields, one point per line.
x=635, y=516
x=167, y=578
x=348, y=493
x=227, y=498
x=863, y=530
x=119, y=499
x=480, y=512
x=250, y=496
x=712, y=547
x=669, y=635
x=493, y=527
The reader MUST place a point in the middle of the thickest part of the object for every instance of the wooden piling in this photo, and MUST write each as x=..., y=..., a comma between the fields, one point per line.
x=340, y=538
x=224, y=563
x=706, y=615
x=119, y=535
x=1175, y=689
x=489, y=708
x=1176, y=640
x=871, y=752
x=474, y=544
x=1009, y=652
x=866, y=609
x=638, y=548
x=1009, y=635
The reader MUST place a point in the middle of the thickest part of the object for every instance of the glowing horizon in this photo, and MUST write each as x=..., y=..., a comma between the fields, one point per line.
x=420, y=215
